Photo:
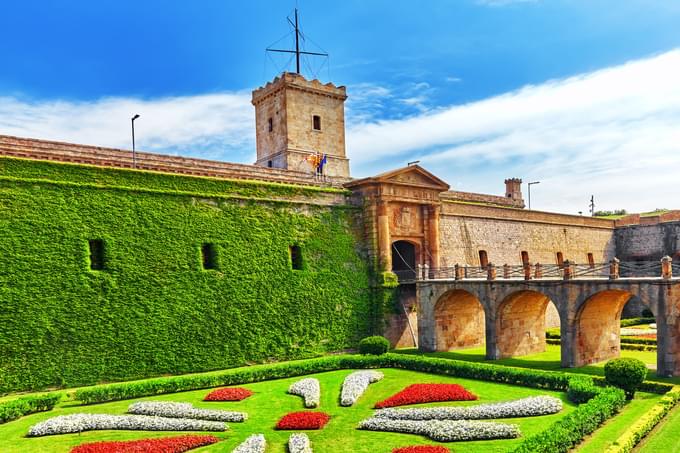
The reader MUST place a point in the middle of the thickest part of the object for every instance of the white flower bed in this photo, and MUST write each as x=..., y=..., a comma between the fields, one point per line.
x=184, y=410
x=299, y=443
x=76, y=423
x=525, y=407
x=356, y=384
x=253, y=444
x=444, y=430
x=309, y=389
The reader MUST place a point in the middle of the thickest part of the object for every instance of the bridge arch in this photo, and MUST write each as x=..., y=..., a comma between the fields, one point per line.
x=598, y=325
x=520, y=323
x=459, y=320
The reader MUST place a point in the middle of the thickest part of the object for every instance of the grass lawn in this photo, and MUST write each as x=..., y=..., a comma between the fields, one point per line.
x=548, y=360
x=270, y=402
x=664, y=438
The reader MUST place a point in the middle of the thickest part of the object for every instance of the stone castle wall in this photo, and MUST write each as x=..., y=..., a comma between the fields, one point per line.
x=505, y=233
x=648, y=242
x=112, y=157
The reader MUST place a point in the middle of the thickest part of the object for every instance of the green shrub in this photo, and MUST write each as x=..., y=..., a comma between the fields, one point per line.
x=581, y=389
x=13, y=409
x=375, y=345
x=625, y=373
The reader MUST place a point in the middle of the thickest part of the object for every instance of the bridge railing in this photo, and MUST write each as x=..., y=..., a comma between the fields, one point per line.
x=565, y=271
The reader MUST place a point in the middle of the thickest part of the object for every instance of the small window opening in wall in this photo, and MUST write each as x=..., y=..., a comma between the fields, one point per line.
x=296, y=257
x=96, y=254
x=483, y=259
x=560, y=259
x=316, y=122
x=525, y=258
x=269, y=164
x=209, y=256
x=270, y=126
x=591, y=260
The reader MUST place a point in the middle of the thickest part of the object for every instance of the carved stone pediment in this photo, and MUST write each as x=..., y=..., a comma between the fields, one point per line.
x=413, y=176
x=412, y=183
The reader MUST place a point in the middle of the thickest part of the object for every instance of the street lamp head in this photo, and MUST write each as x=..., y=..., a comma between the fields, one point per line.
x=535, y=182
x=135, y=117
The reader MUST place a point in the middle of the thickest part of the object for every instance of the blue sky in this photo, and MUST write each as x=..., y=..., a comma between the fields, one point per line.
x=577, y=94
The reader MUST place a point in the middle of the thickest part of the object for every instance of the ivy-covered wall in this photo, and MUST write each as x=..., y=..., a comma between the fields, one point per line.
x=154, y=309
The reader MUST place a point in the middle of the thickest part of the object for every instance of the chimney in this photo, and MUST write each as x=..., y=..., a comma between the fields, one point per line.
x=513, y=189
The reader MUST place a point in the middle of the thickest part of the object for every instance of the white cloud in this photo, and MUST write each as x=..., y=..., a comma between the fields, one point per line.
x=215, y=126
x=613, y=133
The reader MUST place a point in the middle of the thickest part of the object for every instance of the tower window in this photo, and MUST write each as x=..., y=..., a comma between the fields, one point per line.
x=209, y=256
x=591, y=260
x=560, y=260
x=296, y=257
x=316, y=122
x=96, y=254
x=270, y=124
x=483, y=259
x=269, y=164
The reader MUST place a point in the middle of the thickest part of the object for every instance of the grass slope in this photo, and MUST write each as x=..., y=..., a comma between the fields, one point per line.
x=270, y=402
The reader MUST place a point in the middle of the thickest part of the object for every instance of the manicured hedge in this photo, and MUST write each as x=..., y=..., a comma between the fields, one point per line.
x=644, y=425
x=569, y=431
x=154, y=310
x=487, y=372
x=636, y=321
x=582, y=389
x=13, y=409
x=624, y=345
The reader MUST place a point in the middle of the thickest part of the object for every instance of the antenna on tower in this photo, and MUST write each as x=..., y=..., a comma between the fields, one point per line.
x=298, y=33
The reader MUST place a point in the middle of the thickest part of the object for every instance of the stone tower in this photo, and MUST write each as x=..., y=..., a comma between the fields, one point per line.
x=295, y=118
x=513, y=188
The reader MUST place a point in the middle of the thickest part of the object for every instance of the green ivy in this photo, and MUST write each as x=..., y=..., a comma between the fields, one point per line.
x=154, y=310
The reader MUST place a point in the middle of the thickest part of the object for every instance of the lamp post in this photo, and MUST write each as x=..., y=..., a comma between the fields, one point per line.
x=529, y=185
x=134, y=157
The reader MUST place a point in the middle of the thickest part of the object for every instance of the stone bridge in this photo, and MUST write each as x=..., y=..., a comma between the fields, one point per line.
x=508, y=315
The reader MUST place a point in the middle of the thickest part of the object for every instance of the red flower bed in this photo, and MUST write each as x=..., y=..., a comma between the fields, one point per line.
x=422, y=449
x=161, y=445
x=228, y=394
x=303, y=420
x=427, y=393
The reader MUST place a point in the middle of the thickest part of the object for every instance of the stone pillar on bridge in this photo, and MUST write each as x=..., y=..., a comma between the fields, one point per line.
x=614, y=269
x=666, y=267
x=490, y=272
x=538, y=271
x=427, y=300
